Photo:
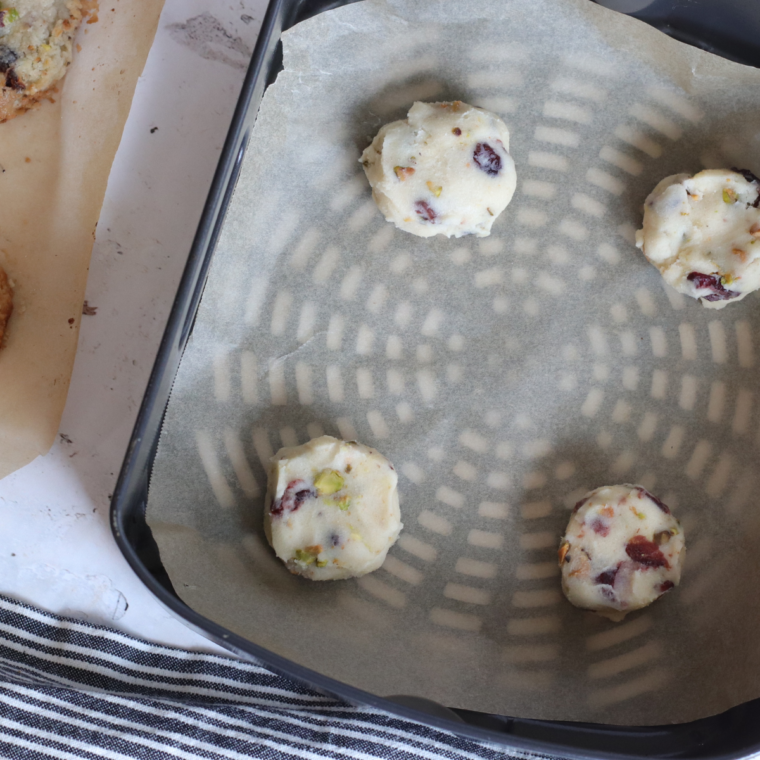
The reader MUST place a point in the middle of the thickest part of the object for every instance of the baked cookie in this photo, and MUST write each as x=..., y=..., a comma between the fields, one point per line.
x=622, y=550
x=6, y=303
x=36, y=41
x=703, y=234
x=444, y=170
x=331, y=508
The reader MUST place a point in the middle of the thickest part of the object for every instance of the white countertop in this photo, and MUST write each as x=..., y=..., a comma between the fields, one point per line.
x=57, y=551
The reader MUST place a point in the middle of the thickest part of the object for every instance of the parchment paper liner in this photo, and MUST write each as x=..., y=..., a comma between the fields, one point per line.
x=503, y=377
x=55, y=164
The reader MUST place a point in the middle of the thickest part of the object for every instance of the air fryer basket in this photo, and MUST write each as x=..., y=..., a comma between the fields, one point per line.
x=722, y=27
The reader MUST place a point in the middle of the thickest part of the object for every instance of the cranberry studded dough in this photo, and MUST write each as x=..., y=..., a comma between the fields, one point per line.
x=703, y=234
x=622, y=550
x=331, y=508
x=445, y=170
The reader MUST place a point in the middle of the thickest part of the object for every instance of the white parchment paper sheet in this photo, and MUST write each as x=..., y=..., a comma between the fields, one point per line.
x=503, y=376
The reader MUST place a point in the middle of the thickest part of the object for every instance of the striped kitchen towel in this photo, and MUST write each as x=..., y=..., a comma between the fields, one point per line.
x=72, y=690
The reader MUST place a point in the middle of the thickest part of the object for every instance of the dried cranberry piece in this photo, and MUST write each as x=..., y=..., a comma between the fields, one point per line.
x=12, y=80
x=607, y=578
x=600, y=527
x=747, y=174
x=292, y=498
x=645, y=552
x=7, y=58
x=711, y=282
x=580, y=503
x=702, y=280
x=608, y=593
x=664, y=507
x=425, y=212
x=487, y=159
x=301, y=497
x=750, y=177
x=666, y=586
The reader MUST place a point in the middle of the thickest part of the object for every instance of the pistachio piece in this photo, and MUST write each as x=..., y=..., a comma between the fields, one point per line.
x=304, y=557
x=354, y=534
x=435, y=189
x=328, y=482
x=663, y=537
x=729, y=195
x=308, y=556
x=343, y=503
x=584, y=566
x=8, y=16
x=402, y=172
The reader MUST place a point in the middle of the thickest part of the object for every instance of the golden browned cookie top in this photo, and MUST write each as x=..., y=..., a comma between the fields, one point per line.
x=36, y=45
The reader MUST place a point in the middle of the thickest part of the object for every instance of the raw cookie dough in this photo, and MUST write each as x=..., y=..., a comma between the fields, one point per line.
x=331, y=508
x=703, y=234
x=6, y=303
x=36, y=41
x=445, y=170
x=622, y=550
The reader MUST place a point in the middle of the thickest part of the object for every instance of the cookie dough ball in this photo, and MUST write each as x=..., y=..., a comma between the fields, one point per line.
x=331, y=508
x=445, y=170
x=6, y=303
x=622, y=550
x=36, y=41
x=703, y=234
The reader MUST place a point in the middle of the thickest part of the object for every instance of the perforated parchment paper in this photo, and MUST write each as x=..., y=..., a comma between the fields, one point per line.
x=503, y=376
x=54, y=166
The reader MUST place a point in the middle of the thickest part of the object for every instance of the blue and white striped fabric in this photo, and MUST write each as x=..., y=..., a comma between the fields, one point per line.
x=71, y=690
